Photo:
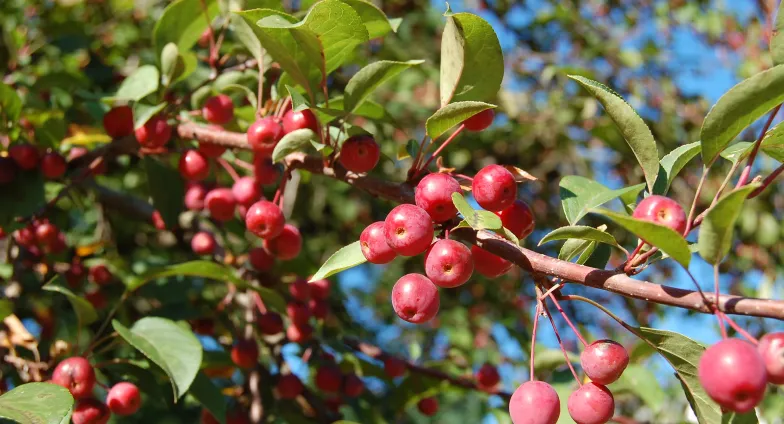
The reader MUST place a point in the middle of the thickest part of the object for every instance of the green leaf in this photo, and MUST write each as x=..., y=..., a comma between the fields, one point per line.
x=641, y=381
x=170, y=63
x=547, y=359
x=371, y=77
x=735, y=418
x=292, y=142
x=249, y=94
x=143, y=112
x=576, y=247
x=672, y=163
x=209, y=396
x=298, y=102
x=6, y=308
x=478, y=220
x=472, y=64
x=773, y=143
x=211, y=270
x=173, y=348
x=141, y=83
x=376, y=22
x=452, y=115
x=166, y=189
x=777, y=40
x=37, y=403
x=666, y=239
x=580, y=232
x=345, y=258
x=10, y=104
x=85, y=312
x=715, y=236
x=633, y=128
x=182, y=23
x=28, y=196
x=737, y=152
x=738, y=108
x=579, y=194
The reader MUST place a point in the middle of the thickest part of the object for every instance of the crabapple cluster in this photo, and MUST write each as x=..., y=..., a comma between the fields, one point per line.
x=24, y=157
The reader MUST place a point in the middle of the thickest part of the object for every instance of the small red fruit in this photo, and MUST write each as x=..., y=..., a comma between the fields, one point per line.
x=25, y=156
x=299, y=120
x=203, y=243
x=195, y=194
x=90, y=411
x=286, y=245
x=46, y=233
x=245, y=353
x=289, y=386
x=591, y=404
x=374, y=244
x=428, y=406
x=434, y=195
x=265, y=172
x=300, y=290
x=663, y=211
x=359, y=153
x=604, y=361
x=448, y=263
x=218, y=109
x=53, y=165
x=415, y=298
x=494, y=188
x=260, y=260
x=270, y=323
x=157, y=220
x=118, y=122
x=319, y=289
x=318, y=308
x=220, y=203
x=771, y=348
x=480, y=121
x=100, y=275
x=329, y=378
x=124, y=399
x=25, y=236
x=518, y=219
x=394, y=367
x=154, y=133
x=408, y=230
x=265, y=219
x=75, y=274
x=263, y=135
x=353, y=386
x=212, y=150
x=488, y=264
x=75, y=374
x=298, y=313
x=733, y=374
x=299, y=333
x=246, y=190
x=535, y=402
x=487, y=377
x=194, y=166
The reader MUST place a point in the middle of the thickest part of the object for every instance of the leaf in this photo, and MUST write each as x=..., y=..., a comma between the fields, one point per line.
x=298, y=102
x=452, y=115
x=579, y=194
x=166, y=189
x=371, y=77
x=173, y=348
x=37, y=403
x=672, y=163
x=472, y=64
x=141, y=83
x=735, y=418
x=580, y=232
x=737, y=152
x=773, y=143
x=6, y=308
x=249, y=94
x=171, y=63
x=478, y=220
x=574, y=247
x=143, y=112
x=666, y=239
x=715, y=236
x=211, y=270
x=28, y=196
x=209, y=396
x=641, y=381
x=547, y=359
x=777, y=40
x=634, y=130
x=738, y=108
x=345, y=258
x=376, y=22
x=85, y=312
x=10, y=104
x=292, y=142
x=182, y=23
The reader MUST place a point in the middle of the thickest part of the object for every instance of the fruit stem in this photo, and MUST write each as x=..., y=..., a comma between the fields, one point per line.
x=623, y=323
x=568, y=321
x=744, y=176
x=283, y=106
x=739, y=329
x=704, y=176
x=210, y=31
x=627, y=266
x=259, y=303
x=716, y=309
x=98, y=343
x=440, y=149
x=533, y=338
x=558, y=337
x=417, y=157
x=232, y=172
x=770, y=178
x=242, y=164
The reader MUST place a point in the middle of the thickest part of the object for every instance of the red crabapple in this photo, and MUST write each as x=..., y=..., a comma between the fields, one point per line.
x=319, y=289
x=220, y=203
x=662, y=210
x=260, y=260
x=299, y=333
x=203, y=243
x=7, y=170
x=124, y=399
x=90, y=411
x=25, y=236
x=97, y=299
x=100, y=275
x=394, y=367
x=118, y=122
x=329, y=378
x=286, y=245
x=212, y=150
x=494, y=188
x=195, y=194
x=75, y=274
x=448, y=263
x=434, y=195
x=488, y=264
x=353, y=386
x=771, y=348
x=733, y=374
x=263, y=135
x=591, y=404
x=75, y=374
x=518, y=219
x=298, y=313
x=264, y=170
x=408, y=230
x=300, y=290
x=535, y=402
x=157, y=220
x=428, y=406
x=318, y=308
x=154, y=133
x=265, y=219
x=415, y=298
x=480, y=121
x=194, y=166
x=245, y=353
x=359, y=153
x=270, y=323
x=487, y=377
x=297, y=120
x=53, y=165
x=218, y=109
x=604, y=361
x=25, y=156
x=46, y=233
x=289, y=386
x=246, y=191
x=374, y=244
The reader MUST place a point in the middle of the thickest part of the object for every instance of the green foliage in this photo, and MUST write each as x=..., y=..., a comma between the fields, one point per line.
x=143, y=82
x=452, y=115
x=671, y=165
x=777, y=41
x=580, y=194
x=580, y=232
x=666, y=239
x=295, y=141
x=183, y=22
x=345, y=258
x=34, y=403
x=85, y=312
x=209, y=395
x=476, y=219
x=166, y=189
x=715, y=237
x=28, y=194
x=364, y=82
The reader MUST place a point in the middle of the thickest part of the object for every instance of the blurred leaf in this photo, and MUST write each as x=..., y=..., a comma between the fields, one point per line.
x=478, y=220
x=633, y=128
x=143, y=112
x=376, y=22
x=672, y=163
x=6, y=308
x=641, y=381
x=166, y=188
x=182, y=23
x=777, y=40
x=173, y=348
x=28, y=194
x=345, y=258
x=773, y=143
x=715, y=236
x=298, y=102
x=575, y=247
x=599, y=257
x=579, y=194
x=37, y=403
x=452, y=115
x=738, y=108
x=249, y=94
x=547, y=359
x=209, y=396
x=85, y=311
x=735, y=418
x=737, y=152
x=170, y=62
x=294, y=141
x=141, y=83
x=10, y=104
x=580, y=232
x=364, y=82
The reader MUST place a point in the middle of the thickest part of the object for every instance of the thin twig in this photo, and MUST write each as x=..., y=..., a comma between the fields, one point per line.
x=744, y=176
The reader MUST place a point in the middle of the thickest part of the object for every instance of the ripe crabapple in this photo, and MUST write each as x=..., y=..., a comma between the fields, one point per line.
x=733, y=374
x=299, y=333
x=212, y=150
x=46, y=233
x=157, y=220
x=297, y=120
x=488, y=264
x=25, y=236
x=264, y=170
x=394, y=367
x=487, y=377
x=434, y=195
x=591, y=404
x=53, y=165
x=298, y=313
x=245, y=353
x=518, y=219
x=25, y=156
x=300, y=290
x=374, y=244
x=353, y=386
x=286, y=245
x=771, y=348
x=415, y=298
x=96, y=298
x=90, y=411
x=100, y=274
x=329, y=378
x=203, y=326
x=203, y=243
x=220, y=203
x=260, y=260
x=448, y=263
x=195, y=193
x=428, y=406
x=408, y=230
x=263, y=135
x=246, y=190
x=154, y=133
x=218, y=109
x=662, y=210
x=118, y=122
x=319, y=289
x=75, y=374
x=265, y=219
x=318, y=308
x=604, y=361
x=494, y=188
x=359, y=153
x=480, y=121
x=289, y=386
x=75, y=274
x=124, y=399
x=7, y=170
x=194, y=166
x=270, y=323
x=535, y=402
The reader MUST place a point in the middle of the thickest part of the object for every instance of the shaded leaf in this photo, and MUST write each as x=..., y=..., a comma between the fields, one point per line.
x=773, y=143
x=249, y=94
x=345, y=258
x=574, y=248
x=294, y=141
x=715, y=236
x=777, y=39
x=641, y=381
x=84, y=310
x=672, y=163
x=580, y=232
x=579, y=194
x=478, y=220
x=298, y=101
x=6, y=308
x=452, y=115
x=37, y=403
x=209, y=396
x=736, y=418
x=182, y=23
x=376, y=22
x=142, y=112
x=371, y=77
x=10, y=104
x=141, y=83
x=166, y=189
x=737, y=152
x=28, y=194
